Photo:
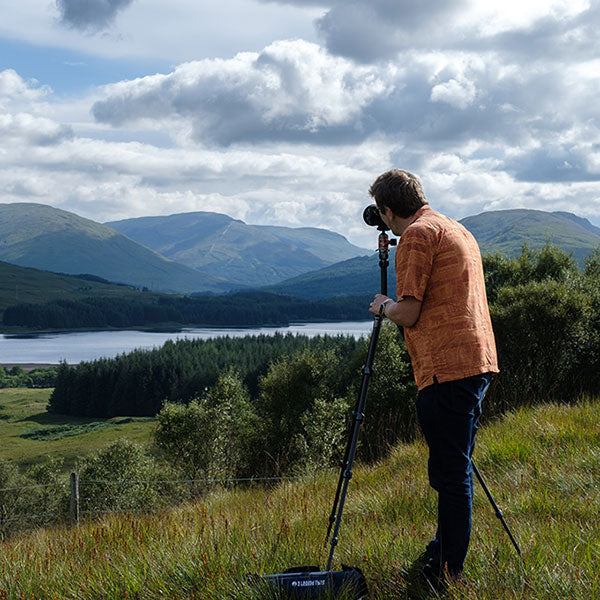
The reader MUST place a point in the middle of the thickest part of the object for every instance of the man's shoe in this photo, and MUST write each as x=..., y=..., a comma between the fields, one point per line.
x=434, y=575
x=455, y=575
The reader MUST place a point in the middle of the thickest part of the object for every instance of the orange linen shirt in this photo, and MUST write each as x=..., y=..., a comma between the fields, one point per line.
x=439, y=263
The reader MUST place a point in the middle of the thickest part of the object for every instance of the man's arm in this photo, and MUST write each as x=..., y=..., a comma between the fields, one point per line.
x=405, y=313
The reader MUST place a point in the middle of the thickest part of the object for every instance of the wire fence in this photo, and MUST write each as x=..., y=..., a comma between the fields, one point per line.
x=73, y=500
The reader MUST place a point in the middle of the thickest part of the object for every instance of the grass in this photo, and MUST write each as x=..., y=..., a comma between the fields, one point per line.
x=542, y=466
x=29, y=434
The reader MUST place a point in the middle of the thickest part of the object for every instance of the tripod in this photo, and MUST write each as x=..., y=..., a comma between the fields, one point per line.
x=358, y=417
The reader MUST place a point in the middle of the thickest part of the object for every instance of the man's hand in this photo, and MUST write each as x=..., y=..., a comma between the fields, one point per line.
x=405, y=313
x=379, y=299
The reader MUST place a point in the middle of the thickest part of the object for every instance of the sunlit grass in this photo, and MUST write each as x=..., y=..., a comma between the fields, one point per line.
x=24, y=410
x=542, y=466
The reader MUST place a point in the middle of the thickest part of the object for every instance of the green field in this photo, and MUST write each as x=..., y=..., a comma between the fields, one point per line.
x=29, y=434
x=542, y=465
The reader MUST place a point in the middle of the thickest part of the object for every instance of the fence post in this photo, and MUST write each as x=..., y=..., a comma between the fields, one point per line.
x=74, y=499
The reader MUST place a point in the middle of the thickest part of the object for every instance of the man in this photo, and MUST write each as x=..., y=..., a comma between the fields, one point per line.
x=442, y=306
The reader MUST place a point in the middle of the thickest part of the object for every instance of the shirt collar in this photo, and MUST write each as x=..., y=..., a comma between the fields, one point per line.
x=425, y=208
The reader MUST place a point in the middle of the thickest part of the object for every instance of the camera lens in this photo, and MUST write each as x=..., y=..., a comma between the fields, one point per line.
x=372, y=217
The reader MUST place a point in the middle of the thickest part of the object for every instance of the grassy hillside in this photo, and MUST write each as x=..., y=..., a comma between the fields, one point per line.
x=541, y=464
x=356, y=277
x=30, y=434
x=507, y=230
x=19, y=285
x=43, y=237
x=246, y=255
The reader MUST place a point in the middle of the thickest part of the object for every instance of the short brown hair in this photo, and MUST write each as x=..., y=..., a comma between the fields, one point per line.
x=400, y=190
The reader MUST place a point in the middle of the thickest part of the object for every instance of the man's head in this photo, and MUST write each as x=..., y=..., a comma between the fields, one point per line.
x=400, y=191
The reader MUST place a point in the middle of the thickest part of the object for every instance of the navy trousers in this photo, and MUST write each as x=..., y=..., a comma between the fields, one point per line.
x=448, y=413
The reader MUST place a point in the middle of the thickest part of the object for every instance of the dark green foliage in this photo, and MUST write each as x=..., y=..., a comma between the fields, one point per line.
x=549, y=262
x=289, y=391
x=139, y=383
x=212, y=438
x=546, y=318
x=541, y=336
x=390, y=409
x=59, y=432
x=119, y=477
x=42, y=377
x=244, y=309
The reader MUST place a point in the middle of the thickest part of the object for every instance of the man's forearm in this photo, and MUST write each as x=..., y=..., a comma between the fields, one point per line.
x=405, y=313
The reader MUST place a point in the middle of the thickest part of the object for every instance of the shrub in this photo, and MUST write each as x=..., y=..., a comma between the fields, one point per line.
x=541, y=337
x=119, y=477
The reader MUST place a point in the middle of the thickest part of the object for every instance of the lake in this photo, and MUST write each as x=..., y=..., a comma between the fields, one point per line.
x=77, y=346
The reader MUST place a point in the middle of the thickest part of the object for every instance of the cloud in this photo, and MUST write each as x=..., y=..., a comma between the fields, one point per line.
x=380, y=29
x=14, y=88
x=494, y=106
x=294, y=92
x=32, y=130
x=291, y=91
x=90, y=15
x=557, y=163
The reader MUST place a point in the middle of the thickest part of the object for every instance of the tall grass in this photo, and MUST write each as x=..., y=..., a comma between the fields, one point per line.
x=541, y=464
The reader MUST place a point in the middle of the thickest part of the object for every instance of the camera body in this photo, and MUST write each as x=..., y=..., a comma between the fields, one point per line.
x=372, y=218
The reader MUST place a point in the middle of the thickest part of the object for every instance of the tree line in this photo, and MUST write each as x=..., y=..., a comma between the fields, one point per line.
x=242, y=309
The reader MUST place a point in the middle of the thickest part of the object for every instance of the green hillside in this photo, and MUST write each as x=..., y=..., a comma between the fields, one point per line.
x=540, y=464
x=20, y=285
x=245, y=255
x=43, y=237
x=354, y=277
x=507, y=230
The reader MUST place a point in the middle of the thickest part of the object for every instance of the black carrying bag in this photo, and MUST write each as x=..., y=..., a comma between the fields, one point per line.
x=310, y=582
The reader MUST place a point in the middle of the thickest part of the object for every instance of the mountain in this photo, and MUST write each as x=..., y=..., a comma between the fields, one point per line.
x=40, y=236
x=507, y=230
x=245, y=255
x=503, y=230
x=354, y=277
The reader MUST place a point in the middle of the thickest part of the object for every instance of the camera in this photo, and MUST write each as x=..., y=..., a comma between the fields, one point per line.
x=372, y=217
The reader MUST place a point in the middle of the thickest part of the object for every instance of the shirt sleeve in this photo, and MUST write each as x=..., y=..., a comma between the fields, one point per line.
x=414, y=259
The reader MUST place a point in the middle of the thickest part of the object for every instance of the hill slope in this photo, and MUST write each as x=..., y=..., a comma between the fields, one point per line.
x=507, y=230
x=43, y=237
x=540, y=464
x=25, y=285
x=497, y=231
x=243, y=254
x=354, y=277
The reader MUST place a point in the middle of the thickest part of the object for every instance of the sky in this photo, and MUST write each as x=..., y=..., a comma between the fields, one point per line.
x=283, y=112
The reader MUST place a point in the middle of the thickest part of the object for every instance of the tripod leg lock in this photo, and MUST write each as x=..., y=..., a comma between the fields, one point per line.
x=359, y=417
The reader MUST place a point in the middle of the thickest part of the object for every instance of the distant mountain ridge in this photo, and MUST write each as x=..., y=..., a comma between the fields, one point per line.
x=245, y=255
x=229, y=254
x=507, y=230
x=495, y=231
x=43, y=237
